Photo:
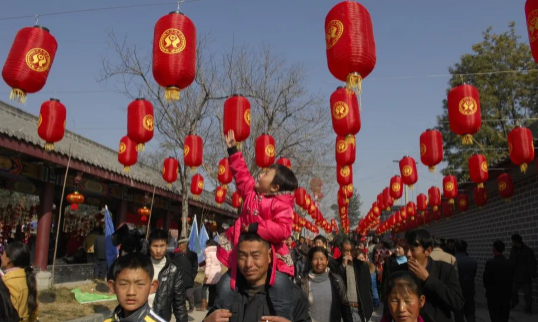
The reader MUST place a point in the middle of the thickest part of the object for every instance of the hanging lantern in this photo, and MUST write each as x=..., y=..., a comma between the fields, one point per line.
x=408, y=171
x=506, y=186
x=236, y=200
x=521, y=147
x=411, y=210
x=345, y=112
x=307, y=202
x=174, y=54
x=347, y=190
x=220, y=195
x=140, y=122
x=480, y=197
x=342, y=201
x=127, y=154
x=434, y=198
x=225, y=174
x=29, y=61
x=396, y=185
x=237, y=117
x=170, y=170
x=193, y=151
x=285, y=162
x=375, y=209
x=387, y=199
x=450, y=188
x=463, y=202
x=345, y=150
x=464, y=112
x=403, y=214
x=380, y=201
x=144, y=213
x=531, y=12
x=431, y=149
x=447, y=209
x=344, y=175
x=197, y=185
x=300, y=197
x=265, y=151
x=75, y=199
x=478, y=169
x=350, y=45
x=51, y=123
x=422, y=203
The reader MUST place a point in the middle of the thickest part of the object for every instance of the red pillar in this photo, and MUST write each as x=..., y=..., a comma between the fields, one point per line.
x=44, y=224
x=121, y=217
x=168, y=220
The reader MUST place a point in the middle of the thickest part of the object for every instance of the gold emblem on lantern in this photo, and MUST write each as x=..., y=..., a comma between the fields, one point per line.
x=396, y=187
x=333, y=32
x=409, y=210
x=341, y=146
x=449, y=186
x=407, y=171
x=345, y=171
x=376, y=210
x=423, y=149
x=220, y=193
x=38, y=59
x=340, y=110
x=532, y=24
x=147, y=122
x=350, y=188
x=123, y=147
x=350, y=139
x=200, y=184
x=463, y=203
x=247, y=117
x=468, y=106
x=222, y=169
x=484, y=166
x=510, y=147
x=270, y=150
x=40, y=120
x=164, y=170
x=172, y=41
x=186, y=150
x=342, y=210
x=502, y=186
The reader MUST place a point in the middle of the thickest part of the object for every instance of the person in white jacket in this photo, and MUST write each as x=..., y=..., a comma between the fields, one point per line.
x=212, y=275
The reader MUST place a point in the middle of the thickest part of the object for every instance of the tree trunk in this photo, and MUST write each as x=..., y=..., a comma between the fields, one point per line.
x=184, y=201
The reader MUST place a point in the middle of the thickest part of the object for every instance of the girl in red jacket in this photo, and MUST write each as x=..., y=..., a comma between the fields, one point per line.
x=267, y=210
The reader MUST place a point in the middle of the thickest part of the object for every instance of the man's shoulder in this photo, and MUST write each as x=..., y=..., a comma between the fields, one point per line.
x=153, y=317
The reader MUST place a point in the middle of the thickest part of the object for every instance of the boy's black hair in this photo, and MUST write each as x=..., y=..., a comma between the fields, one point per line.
x=157, y=234
x=499, y=246
x=284, y=178
x=253, y=237
x=517, y=238
x=461, y=246
x=210, y=242
x=133, y=261
x=322, y=238
x=412, y=283
x=419, y=237
x=318, y=249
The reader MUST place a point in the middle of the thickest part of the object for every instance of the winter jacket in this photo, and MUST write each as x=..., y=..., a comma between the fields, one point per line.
x=498, y=278
x=388, y=318
x=467, y=268
x=100, y=247
x=187, y=262
x=171, y=293
x=212, y=266
x=364, y=285
x=270, y=216
x=437, y=254
x=15, y=282
x=340, y=308
x=390, y=266
x=143, y=314
x=525, y=262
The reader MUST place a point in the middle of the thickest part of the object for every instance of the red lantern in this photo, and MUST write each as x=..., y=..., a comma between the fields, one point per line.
x=236, y=200
x=345, y=112
x=51, y=123
x=346, y=191
x=75, y=199
x=531, y=12
x=464, y=112
x=450, y=188
x=174, y=53
x=237, y=117
x=387, y=199
x=349, y=38
x=144, y=213
x=380, y=201
x=478, y=169
x=422, y=203
x=140, y=122
x=506, y=186
x=344, y=175
x=411, y=210
x=197, y=185
x=434, y=198
x=285, y=162
x=29, y=61
x=300, y=197
x=521, y=147
x=408, y=170
x=480, y=197
x=342, y=201
x=225, y=174
x=375, y=209
x=431, y=148
x=170, y=170
x=396, y=185
x=265, y=151
x=220, y=195
x=463, y=202
x=447, y=209
x=127, y=154
x=345, y=150
x=193, y=151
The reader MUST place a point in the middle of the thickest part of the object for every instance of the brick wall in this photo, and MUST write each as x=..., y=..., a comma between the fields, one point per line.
x=497, y=220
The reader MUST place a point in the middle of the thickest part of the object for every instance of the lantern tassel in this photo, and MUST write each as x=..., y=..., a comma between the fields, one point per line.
x=435, y=208
x=140, y=147
x=49, y=146
x=451, y=201
x=411, y=186
x=169, y=185
x=480, y=185
x=431, y=169
x=507, y=200
x=171, y=94
x=18, y=95
x=523, y=168
x=127, y=169
x=238, y=145
x=354, y=82
x=195, y=197
x=467, y=139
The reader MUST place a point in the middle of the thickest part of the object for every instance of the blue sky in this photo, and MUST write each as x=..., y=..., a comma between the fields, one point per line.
x=413, y=38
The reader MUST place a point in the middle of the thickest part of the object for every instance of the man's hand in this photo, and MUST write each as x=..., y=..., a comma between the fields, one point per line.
x=347, y=260
x=230, y=139
x=221, y=315
x=418, y=270
x=273, y=319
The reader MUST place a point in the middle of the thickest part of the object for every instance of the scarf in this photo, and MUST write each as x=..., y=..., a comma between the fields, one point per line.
x=401, y=259
x=318, y=278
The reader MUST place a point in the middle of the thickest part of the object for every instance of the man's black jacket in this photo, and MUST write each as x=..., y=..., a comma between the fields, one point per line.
x=188, y=264
x=525, y=264
x=497, y=278
x=364, y=284
x=442, y=290
x=171, y=293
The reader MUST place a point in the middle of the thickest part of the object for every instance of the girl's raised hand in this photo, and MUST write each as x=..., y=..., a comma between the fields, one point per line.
x=230, y=139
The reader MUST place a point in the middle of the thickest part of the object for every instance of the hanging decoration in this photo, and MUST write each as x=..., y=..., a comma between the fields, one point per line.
x=448, y=208
x=236, y=200
x=350, y=45
x=431, y=149
x=531, y=13
x=344, y=175
x=450, y=188
x=300, y=197
x=144, y=213
x=174, y=54
x=197, y=185
x=434, y=198
x=396, y=185
x=127, y=154
x=170, y=170
x=75, y=199
x=411, y=210
x=478, y=169
x=387, y=199
x=506, y=186
x=345, y=113
x=345, y=150
x=422, y=203
x=347, y=190
x=193, y=151
x=464, y=112
x=521, y=147
x=237, y=117
x=463, y=202
x=220, y=196
x=408, y=171
x=285, y=162
x=51, y=122
x=480, y=197
x=140, y=122
x=29, y=61
x=265, y=151
x=225, y=174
